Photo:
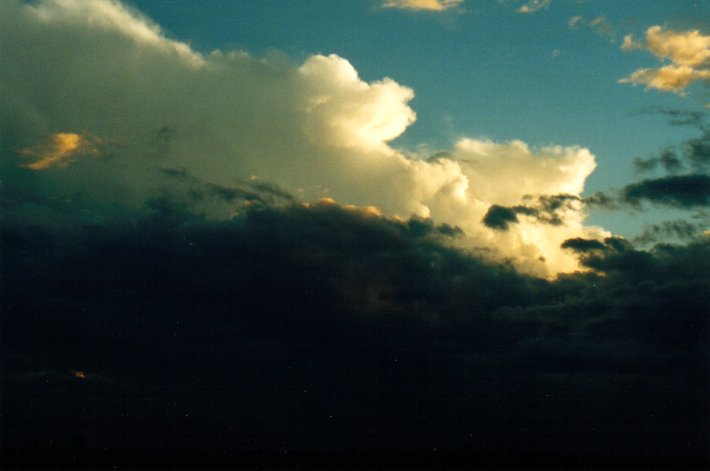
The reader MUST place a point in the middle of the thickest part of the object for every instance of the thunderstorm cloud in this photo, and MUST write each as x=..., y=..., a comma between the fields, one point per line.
x=316, y=129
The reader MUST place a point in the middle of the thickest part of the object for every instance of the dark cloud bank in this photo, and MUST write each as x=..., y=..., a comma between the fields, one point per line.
x=689, y=190
x=293, y=332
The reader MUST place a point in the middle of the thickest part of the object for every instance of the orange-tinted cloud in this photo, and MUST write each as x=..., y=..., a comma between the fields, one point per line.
x=60, y=150
x=426, y=5
x=687, y=51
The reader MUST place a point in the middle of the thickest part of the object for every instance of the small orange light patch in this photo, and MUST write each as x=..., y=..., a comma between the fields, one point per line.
x=79, y=375
x=60, y=149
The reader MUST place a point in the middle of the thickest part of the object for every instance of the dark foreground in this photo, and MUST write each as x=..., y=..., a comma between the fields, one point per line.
x=32, y=457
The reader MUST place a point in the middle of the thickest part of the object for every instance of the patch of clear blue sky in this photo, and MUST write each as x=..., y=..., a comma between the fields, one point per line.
x=483, y=72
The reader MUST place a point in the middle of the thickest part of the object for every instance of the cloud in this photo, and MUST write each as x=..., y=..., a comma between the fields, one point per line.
x=670, y=78
x=680, y=229
x=60, y=150
x=582, y=245
x=689, y=48
x=629, y=44
x=682, y=191
x=600, y=200
x=315, y=129
x=285, y=297
x=692, y=154
x=574, y=21
x=261, y=327
x=546, y=209
x=687, y=190
x=254, y=266
x=600, y=25
x=603, y=27
x=667, y=159
x=687, y=51
x=533, y=6
x=422, y=5
x=499, y=217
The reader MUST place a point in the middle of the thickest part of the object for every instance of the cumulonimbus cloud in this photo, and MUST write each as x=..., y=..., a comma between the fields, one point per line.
x=316, y=129
x=687, y=54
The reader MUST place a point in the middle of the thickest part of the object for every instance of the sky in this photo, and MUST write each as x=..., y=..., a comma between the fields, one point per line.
x=474, y=227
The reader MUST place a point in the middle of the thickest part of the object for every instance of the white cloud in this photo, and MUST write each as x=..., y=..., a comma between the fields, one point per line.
x=316, y=129
x=350, y=112
x=533, y=6
x=686, y=55
x=422, y=5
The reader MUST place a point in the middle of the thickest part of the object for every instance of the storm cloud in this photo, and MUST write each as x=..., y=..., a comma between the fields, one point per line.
x=315, y=128
x=304, y=326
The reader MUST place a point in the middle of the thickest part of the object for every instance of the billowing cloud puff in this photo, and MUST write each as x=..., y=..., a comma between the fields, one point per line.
x=688, y=48
x=350, y=112
x=687, y=51
x=73, y=69
x=426, y=5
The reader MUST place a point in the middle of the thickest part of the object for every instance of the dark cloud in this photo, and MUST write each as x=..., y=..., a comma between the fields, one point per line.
x=681, y=191
x=697, y=151
x=678, y=117
x=668, y=160
x=680, y=229
x=291, y=326
x=694, y=152
x=582, y=245
x=601, y=200
x=688, y=190
x=645, y=165
x=544, y=208
x=498, y=217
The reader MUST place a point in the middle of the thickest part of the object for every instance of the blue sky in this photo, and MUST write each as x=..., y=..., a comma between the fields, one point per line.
x=481, y=69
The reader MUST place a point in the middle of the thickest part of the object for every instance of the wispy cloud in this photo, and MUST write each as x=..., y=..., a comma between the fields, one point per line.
x=533, y=6
x=600, y=25
x=686, y=55
x=574, y=21
x=422, y=5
